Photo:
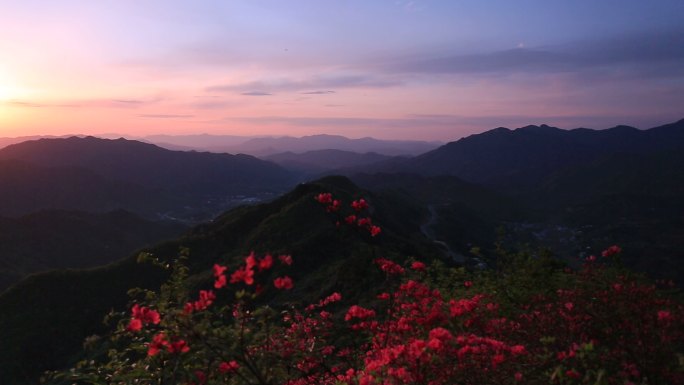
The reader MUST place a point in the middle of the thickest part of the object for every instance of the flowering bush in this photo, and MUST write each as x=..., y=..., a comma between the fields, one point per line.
x=597, y=325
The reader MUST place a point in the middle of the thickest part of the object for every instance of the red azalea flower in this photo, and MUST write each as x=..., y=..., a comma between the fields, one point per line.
x=615, y=249
x=205, y=300
x=324, y=198
x=359, y=205
x=517, y=350
x=220, y=282
x=265, y=263
x=145, y=315
x=285, y=259
x=334, y=297
x=250, y=261
x=357, y=311
x=219, y=270
x=179, y=346
x=242, y=275
x=664, y=316
x=135, y=325
x=188, y=308
x=283, y=283
x=572, y=373
x=228, y=367
x=418, y=266
x=334, y=206
x=158, y=343
x=389, y=267
x=201, y=377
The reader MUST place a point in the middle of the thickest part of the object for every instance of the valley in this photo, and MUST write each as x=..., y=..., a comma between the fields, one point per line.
x=222, y=206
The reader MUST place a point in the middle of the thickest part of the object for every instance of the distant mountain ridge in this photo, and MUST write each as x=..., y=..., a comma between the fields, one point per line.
x=109, y=174
x=265, y=146
x=585, y=188
x=521, y=158
x=6, y=141
x=268, y=146
x=138, y=162
x=319, y=161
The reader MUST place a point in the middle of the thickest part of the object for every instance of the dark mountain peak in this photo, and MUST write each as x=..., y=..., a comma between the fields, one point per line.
x=492, y=132
x=200, y=181
x=316, y=162
x=270, y=146
x=498, y=132
x=521, y=158
x=623, y=128
x=325, y=136
x=82, y=143
x=538, y=129
x=676, y=126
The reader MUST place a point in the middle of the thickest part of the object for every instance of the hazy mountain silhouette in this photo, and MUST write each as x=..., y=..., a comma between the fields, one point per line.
x=319, y=161
x=574, y=191
x=150, y=165
x=4, y=142
x=270, y=146
x=544, y=186
x=199, y=142
x=522, y=158
x=100, y=174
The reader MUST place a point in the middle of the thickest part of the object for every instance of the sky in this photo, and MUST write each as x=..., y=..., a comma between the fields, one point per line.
x=390, y=69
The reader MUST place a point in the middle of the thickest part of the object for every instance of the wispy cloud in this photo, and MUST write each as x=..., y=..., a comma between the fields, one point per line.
x=331, y=121
x=87, y=103
x=256, y=93
x=318, y=92
x=128, y=101
x=409, y=6
x=165, y=116
x=645, y=54
x=457, y=125
x=315, y=83
x=31, y=104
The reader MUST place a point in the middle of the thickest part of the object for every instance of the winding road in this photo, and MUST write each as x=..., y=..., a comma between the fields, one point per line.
x=426, y=229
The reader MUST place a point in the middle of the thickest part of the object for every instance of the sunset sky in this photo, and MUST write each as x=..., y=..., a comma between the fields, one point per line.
x=388, y=69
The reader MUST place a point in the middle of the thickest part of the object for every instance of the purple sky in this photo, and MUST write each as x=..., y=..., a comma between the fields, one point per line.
x=388, y=69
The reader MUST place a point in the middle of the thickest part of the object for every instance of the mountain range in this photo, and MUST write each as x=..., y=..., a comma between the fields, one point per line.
x=46, y=317
x=520, y=159
x=265, y=146
x=322, y=161
x=100, y=174
x=572, y=191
